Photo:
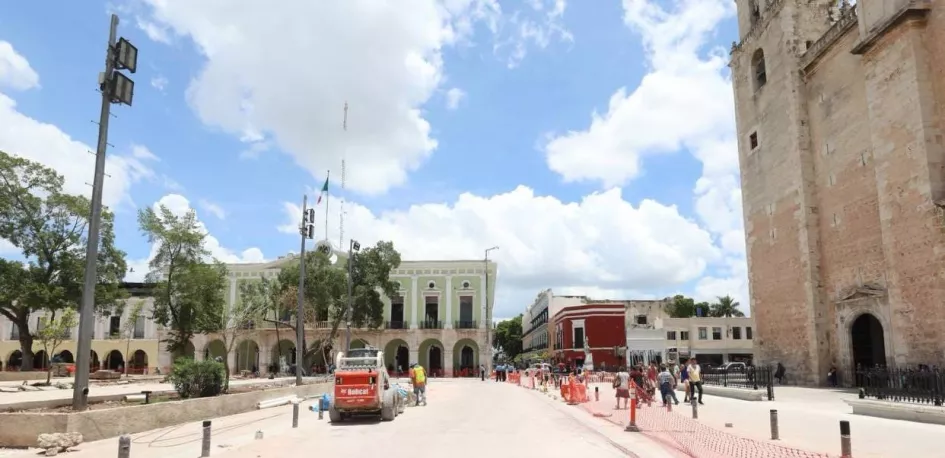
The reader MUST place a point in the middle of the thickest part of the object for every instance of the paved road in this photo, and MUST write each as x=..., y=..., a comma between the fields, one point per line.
x=465, y=418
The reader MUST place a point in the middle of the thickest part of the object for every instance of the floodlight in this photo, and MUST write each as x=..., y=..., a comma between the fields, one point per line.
x=122, y=89
x=126, y=56
x=310, y=215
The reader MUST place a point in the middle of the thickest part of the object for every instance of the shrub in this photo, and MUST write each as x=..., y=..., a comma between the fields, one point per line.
x=197, y=379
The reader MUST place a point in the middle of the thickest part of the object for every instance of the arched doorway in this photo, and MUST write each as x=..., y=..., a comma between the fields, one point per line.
x=94, y=363
x=65, y=356
x=138, y=363
x=114, y=361
x=247, y=356
x=397, y=357
x=467, y=357
x=869, y=344
x=40, y=360
x=436, y=359
x=14, y=361
x=188, y=352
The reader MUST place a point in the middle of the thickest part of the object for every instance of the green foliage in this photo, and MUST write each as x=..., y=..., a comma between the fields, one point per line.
x=726, y=306
x=508, y=337
x=54, y=332
x=189, y=291
x=49, y=229
x=686, y=307
x=197, y=379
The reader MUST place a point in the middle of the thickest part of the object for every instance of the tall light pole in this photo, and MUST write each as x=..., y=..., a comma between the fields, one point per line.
x=353, y=248
x=307, y=231
x=488, y=314
x=115, y=88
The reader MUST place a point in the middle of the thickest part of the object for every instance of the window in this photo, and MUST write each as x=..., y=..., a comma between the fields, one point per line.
x=432, y=308
x=683, y=335
x=466, y=285
x=139, y=328
x=760, y=73
x=748, y=332
x=114, y=326
x=397, y=312
x=703, y=334
x=431, y=284
x=753, y=141
x=670, y=335
x=736, y=333
x=716, y=333
x=466, y=313
x=640, y=319
x=578, y=338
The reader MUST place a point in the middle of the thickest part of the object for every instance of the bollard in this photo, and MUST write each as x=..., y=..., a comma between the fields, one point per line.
x=321, y=412
x=295, y=414
x=774, y=425
x=632, y=426
x=124, y=447
x=596, y=393
x=846, y=450
x=259, y=435
x=695, y=409
x=205, y=445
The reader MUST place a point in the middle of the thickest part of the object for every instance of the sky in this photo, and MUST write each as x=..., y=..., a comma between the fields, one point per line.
x=592, y=142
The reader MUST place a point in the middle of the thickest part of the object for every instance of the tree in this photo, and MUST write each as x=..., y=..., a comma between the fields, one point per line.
x=508, y=337
x=237, y=321
x=266, y=296
x=725, y=307
x=136, y=311
x=49, y=229
x=326, y=289
x=189, y=289
x=53, y=332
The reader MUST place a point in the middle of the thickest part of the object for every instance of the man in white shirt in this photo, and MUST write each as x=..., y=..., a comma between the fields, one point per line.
x=695, y=379
x=622, y=384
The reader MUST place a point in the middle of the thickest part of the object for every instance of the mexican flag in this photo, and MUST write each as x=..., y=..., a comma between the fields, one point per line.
x=323, y=193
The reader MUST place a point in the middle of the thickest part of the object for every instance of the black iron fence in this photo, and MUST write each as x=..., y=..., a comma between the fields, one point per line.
x=430, y=324
x=919, y=386
x=747, y=378
x=464, y=324
x=396, y=325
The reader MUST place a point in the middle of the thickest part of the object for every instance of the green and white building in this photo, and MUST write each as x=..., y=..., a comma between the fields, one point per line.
x=438, y=319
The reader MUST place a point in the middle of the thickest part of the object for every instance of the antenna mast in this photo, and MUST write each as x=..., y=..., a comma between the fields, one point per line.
x=341, y=230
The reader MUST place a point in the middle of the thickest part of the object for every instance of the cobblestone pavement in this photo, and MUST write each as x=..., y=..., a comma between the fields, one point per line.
x=464, y=418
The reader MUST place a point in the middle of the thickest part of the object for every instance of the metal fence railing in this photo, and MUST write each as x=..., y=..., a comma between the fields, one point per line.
x=748, y=378
x=919, y=386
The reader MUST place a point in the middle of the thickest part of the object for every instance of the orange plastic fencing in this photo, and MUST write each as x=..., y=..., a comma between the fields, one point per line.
x=687, y=437
x=514, y=377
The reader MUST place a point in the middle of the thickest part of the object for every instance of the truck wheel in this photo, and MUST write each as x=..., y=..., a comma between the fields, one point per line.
x=334, y=415
x=388, y=412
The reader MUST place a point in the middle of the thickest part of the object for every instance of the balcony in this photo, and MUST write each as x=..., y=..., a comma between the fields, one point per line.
x=462, y=324
x=431, y=324
x=396, y=325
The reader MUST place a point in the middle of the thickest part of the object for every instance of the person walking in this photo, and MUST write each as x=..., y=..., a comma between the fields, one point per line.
x=482, y=372
x=419, y=381
x=622, y=385
x=667, y=384
x=684, y=377
x=695, y=379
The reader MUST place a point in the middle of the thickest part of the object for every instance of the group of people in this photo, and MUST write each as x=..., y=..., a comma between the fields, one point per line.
x=659, y=377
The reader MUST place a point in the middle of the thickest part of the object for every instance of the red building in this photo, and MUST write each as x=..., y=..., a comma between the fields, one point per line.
x=602, y=324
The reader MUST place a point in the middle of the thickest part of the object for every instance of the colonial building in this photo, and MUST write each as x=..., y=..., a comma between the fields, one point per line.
x=841, y=142
x=114, y=339
x=436, y=320
x=598, y=325
x=538, y=326
x=712, y=340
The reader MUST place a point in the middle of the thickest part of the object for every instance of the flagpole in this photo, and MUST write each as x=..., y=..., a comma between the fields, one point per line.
x=326, y=205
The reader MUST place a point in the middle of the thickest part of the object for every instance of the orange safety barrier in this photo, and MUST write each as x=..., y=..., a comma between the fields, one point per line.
x=514, y=377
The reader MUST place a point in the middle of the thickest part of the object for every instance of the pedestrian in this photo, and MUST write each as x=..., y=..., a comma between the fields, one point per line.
x=695, y=379
x=482, y=372
x=667, y=385
x=418, y=379
x=779, y=373
x=684, y=376
x=622, y=385
x=832, y=376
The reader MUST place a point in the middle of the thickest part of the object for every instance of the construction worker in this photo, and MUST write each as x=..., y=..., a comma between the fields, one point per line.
x=419, y=381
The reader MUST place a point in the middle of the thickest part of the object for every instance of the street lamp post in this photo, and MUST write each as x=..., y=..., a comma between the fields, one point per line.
x=307, y=231
x=353, y=248
x=115, y=88
x=488, y=314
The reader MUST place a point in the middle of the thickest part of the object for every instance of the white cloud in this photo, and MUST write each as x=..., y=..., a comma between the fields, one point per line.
x=684, y=102
x=15, y=70
x=179, y=205
x=537, y=28
x=453, y=97
x=159, y=82
x=47, y=144
x=143, y=153
x=268, y=78
x=602, y=245
x=156, y=32
x=213, y=209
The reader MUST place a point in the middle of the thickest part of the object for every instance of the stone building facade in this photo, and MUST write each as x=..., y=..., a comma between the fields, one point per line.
x=437, y=320
x=840, y=136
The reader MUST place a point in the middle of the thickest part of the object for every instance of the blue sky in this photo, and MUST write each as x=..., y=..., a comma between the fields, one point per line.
x=592, y=141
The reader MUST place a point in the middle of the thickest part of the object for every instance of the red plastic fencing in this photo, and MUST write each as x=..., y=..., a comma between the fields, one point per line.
x=687, y=437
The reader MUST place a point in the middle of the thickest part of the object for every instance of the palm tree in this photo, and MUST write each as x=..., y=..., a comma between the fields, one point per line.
x=726, y=307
